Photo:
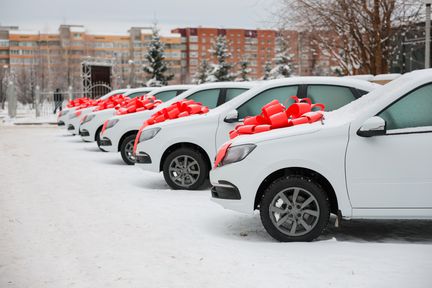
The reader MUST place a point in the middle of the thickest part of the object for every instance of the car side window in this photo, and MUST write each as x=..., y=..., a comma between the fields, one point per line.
x=137, y=94
x=166, y=95
x=231, y=93
x=254, y=105
x=333, y=97
x=208, y=98
x=411, y=111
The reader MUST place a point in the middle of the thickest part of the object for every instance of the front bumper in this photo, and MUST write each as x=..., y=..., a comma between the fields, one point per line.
x=84, y=133
x=113, y=140
x=73, y=126
x=143, y=158
x=105, y=142
x=235, y=188
x=225, y=190
x=149, y=154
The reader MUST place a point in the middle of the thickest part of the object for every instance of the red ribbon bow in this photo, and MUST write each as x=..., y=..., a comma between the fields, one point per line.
x=115, y=101
x=138, y=104
x=274, y=115
x=176, y=110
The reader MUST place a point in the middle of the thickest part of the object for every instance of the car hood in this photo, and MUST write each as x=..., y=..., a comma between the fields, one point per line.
x=279, y=133
x=137, y=115
x=104, y=112
x=184, y=121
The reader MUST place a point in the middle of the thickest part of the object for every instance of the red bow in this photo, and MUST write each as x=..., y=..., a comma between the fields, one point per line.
x=115, y=101
x=274, y=115
x=138, y=104
x=176, y=110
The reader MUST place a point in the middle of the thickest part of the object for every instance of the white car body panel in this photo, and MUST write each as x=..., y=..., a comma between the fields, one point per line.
x=131, y=123
x=101, y=116
x=65, y=118
x=380, y=177
x=210, y=131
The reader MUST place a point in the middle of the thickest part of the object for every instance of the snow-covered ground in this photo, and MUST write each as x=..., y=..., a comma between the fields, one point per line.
x=25, y=115
x=72, y=216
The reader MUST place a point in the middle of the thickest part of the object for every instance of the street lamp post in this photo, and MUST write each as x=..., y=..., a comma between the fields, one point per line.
x=428, y=33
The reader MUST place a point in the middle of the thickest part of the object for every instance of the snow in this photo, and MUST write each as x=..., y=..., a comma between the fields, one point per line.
x=25, y=115
x=72, y=216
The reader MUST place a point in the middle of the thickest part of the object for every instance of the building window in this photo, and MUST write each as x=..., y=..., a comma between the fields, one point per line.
x=4, y=43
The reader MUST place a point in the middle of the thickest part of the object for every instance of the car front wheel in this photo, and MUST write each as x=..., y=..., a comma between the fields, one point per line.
x=294, y=208
x=126, y=150
x=185, y=168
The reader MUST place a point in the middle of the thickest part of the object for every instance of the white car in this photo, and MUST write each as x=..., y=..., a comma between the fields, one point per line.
x=92, y=124
x=184, y=148
x=63, y=116
x=368, y=160
x=121, y=130
x=75, y=118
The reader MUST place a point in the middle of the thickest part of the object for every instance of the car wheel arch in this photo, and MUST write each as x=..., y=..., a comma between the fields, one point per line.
x=127, y=134
x=98, y=130
x=176, y=146
x=334, y=206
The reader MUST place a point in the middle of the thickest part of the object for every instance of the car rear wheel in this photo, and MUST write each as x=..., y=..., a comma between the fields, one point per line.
x=185, y=168
x=126, y=150
x=294, y=208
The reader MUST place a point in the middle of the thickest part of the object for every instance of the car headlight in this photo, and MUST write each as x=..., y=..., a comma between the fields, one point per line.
x=237, y=153
x=111, y=123
x=88, y=118
x=148, y=134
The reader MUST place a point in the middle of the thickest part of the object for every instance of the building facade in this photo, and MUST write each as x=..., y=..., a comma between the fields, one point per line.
x=58, y=60
x=254, y=46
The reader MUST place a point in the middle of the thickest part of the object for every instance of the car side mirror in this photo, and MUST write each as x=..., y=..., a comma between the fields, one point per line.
x=231, y=117
x=374, y=126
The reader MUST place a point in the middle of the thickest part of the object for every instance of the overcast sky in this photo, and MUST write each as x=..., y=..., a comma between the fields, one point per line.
x=117, y=16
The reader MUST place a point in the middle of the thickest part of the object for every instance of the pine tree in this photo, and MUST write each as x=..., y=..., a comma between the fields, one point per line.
x=283, y=60
x=157, y=67
x=243, y=74
x=267, y=70
x=221, y=70
x=202, y=73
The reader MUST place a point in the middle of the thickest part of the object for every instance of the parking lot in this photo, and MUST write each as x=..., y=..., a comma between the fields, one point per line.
x=73, y=216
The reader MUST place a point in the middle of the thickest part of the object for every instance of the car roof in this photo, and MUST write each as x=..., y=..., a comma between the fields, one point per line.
x=140, y=89
x=305, y=80
x=170, y=88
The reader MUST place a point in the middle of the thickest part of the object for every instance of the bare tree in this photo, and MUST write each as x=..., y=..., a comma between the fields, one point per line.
x=358, y=34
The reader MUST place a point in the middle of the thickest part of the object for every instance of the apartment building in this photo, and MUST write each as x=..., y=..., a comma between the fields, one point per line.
x=62, y=59
x=255, y=46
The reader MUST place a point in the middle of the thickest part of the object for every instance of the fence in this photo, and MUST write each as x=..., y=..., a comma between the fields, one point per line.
x=44, y=104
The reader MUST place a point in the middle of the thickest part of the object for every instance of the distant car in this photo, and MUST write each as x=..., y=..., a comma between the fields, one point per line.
x=75, y=118
x=184, y=148
x=368, y=160
x=91, y=125
x=122, y=130
x=63, y=116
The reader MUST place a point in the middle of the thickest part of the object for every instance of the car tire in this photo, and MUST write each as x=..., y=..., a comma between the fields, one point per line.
x=126, y=149
x=294, y=208
x=97, y=139
x=192, y=176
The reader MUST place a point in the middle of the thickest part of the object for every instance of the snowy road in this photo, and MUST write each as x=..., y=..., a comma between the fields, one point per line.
x=71, y=216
